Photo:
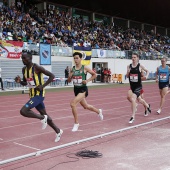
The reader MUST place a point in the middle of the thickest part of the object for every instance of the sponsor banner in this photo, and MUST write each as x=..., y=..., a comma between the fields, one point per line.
x=101, y=53
x=11, y=49
x=86, y=52
x=34, y=48
x=45, y=54
x=61, y=51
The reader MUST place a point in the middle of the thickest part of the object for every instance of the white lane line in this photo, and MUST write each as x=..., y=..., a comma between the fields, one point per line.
x=86, y=124
x=96, y=96
x=26, y=146
x=80, y=141
x=67, y=117
x=1, y=139
x=10, y=117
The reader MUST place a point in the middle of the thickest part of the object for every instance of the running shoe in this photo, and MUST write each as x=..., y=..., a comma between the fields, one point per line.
x=44, y=122
x=100, y=114
x=159, y=111
x=146, y=113
x=131, y=120
x=75, y=127
x=148, y=110
x=58, y=135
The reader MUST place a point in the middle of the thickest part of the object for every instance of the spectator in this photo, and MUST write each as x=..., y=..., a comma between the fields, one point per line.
x=109, y=75
x=66, y=75
x=38, y=26
x=94, y=80
x=102, y=74
x=2, y=87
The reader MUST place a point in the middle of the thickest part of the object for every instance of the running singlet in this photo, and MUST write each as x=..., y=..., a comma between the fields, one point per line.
x=78, y=76
x=169, y=78
x=163, y=74
x=135, y=76
x=33, y=79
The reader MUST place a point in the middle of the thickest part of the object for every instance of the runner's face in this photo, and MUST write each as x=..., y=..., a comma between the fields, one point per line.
x=163, y=61
x=134, y=58
x=25, y=59
x=77, y=59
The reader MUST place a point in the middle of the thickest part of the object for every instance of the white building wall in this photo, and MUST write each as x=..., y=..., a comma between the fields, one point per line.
x=117, y=66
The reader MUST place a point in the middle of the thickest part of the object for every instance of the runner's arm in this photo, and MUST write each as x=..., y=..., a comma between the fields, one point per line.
x=157, y=74
x=93, y=75
x=146, y=71
x=40, y=69
x=70, y=75
x=17, y=79
x=128, y=71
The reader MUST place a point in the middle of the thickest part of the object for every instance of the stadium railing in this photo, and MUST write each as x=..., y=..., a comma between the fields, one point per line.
x=99, y=53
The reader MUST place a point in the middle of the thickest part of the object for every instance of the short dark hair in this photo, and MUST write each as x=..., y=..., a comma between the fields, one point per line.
x=166, y=59
x=29, y=54
x=135, y=54
x=78, y=53
x=27, y=51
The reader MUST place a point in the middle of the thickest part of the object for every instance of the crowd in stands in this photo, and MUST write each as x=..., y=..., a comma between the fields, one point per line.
x=23, y=22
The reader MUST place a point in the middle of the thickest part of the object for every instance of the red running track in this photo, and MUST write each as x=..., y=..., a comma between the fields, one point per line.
x=20, y=135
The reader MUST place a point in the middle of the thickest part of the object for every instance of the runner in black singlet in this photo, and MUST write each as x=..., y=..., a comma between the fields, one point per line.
x=134, y=75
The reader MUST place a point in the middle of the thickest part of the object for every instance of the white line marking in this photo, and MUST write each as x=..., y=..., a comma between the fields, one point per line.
x=112, y=98
x=70, y=95
x=80, y=141
x=85, y=124
x=66, y=117
x=26, y=146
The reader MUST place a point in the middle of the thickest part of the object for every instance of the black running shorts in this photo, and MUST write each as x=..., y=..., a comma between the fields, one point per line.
x=163, y=85
x=82, y=89
x=137, y=91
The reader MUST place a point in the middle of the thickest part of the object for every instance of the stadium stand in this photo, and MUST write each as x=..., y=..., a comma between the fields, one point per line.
x=59, y=28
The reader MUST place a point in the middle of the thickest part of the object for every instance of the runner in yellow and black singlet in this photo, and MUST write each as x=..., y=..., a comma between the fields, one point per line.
x=33, y=78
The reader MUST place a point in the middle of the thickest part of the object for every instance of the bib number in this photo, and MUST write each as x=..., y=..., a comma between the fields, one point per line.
x=134, y=77
x=30, y=83
x=77, y=80
x=162, y=77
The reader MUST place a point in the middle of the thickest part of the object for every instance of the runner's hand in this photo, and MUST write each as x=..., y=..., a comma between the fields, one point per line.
x=128, y=70
x=39, y=88
x=17, y=79
x=143, y=78
x=84, y=82
x=69, y=79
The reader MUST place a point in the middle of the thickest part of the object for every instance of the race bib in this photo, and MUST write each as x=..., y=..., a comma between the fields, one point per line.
x=77, y=80
x=30, y=83
x=162, y=76
x=134, y=77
